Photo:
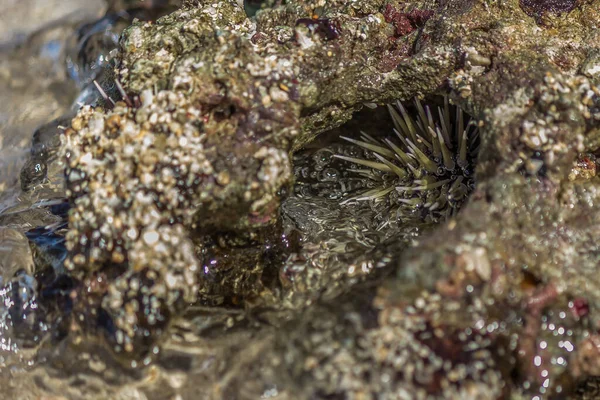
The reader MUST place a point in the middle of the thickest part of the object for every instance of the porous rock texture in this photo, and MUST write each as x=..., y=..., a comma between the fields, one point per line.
x=500, y=302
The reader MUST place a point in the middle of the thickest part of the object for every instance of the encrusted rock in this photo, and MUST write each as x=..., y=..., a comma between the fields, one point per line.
x=497, y=302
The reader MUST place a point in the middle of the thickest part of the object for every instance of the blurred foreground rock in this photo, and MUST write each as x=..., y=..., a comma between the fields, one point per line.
x=195, y=159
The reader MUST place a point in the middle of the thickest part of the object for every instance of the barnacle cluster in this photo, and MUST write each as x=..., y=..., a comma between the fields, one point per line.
x=425, y=170
x=173, y=201
x=404, y=352
x=131, y=176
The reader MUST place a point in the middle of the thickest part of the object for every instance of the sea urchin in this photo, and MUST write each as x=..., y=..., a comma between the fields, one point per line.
x=425, y=170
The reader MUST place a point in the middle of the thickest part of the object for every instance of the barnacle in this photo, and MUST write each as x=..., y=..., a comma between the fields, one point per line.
x=425, y=170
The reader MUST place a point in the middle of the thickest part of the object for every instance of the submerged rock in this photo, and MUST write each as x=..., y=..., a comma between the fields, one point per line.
x=15, y=254
x=192, y=165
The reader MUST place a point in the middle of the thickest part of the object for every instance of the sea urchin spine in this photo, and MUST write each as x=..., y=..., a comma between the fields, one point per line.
x=429, y=173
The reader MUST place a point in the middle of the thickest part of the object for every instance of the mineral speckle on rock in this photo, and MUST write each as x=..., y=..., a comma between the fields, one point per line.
x=206, y=241
x=133, y=177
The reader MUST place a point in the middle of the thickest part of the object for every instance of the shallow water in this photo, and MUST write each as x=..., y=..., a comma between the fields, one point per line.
x=315, y=279
x=217, y=349
x=207, y=349
x=34, y=87
x=34, y=90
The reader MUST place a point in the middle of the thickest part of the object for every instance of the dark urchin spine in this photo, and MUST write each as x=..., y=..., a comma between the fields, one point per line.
x=425, y=170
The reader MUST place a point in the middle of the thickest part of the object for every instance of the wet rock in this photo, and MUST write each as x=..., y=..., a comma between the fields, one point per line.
x=537, y=8
x=15, y=254
x=21, y=318
x=93, y=47
x=251, y=7
x=484, y=306
x=49, y=248
x=33, y=173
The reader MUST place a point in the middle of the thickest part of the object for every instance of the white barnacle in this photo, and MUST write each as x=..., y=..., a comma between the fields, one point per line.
x=150, y=237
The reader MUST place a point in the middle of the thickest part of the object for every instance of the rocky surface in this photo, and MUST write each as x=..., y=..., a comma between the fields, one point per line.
x=182, y=193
